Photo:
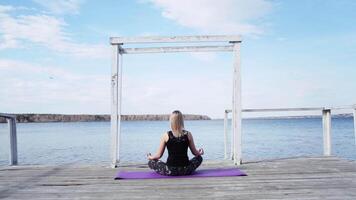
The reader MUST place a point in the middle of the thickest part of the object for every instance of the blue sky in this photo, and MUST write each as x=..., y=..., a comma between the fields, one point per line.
x=55, y=55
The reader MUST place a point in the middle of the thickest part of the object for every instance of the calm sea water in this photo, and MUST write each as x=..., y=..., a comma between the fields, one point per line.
x=89, y=142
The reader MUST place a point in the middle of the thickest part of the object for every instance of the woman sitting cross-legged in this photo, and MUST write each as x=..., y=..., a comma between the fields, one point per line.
x=177, y=141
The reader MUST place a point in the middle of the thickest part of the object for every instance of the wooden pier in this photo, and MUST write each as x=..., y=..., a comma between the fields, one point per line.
x=291, y=178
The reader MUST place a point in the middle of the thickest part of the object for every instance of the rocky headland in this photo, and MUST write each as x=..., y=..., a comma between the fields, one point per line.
x=27, y=118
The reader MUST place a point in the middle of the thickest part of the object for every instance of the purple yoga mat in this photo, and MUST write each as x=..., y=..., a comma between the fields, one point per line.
x=199, y=173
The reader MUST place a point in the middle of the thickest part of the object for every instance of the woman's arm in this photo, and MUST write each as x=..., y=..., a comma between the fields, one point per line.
x=192, y=148
x=160, y=150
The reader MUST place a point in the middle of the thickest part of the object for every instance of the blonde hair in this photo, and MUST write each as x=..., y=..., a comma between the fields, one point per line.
x=177, y=123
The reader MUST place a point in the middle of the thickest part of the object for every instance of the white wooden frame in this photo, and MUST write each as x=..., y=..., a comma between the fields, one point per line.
x=233, y=45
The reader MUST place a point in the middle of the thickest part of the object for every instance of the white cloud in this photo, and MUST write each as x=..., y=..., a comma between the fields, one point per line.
x=61, y=6
x=5, y=8
x=211, y=16
x=44, y=30
x=16, y=67
x=37, y=88
x=34, y=88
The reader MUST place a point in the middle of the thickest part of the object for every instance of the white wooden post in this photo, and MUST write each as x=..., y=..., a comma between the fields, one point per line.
x=327, y=131
x=119, y=102
x=236, y=106
x=354, y=109
x=233, y=116
x=115, y=104
x=13, y=140
x=232, y=139
x=225, y=134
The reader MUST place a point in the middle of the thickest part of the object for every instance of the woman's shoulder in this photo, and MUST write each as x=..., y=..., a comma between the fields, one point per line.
x=166, y=136
x=170, y=134
x=185, y=132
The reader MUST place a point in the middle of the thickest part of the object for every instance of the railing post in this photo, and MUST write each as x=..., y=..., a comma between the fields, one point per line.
x=354, y=109
x=13, y=140
x=225, y=134
x=232, y=143
x=327, y=131
x=116, y=84
x=119, y=102
x=236, y=105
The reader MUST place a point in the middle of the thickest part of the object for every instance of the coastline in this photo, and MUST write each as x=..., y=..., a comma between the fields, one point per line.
x=33, y=118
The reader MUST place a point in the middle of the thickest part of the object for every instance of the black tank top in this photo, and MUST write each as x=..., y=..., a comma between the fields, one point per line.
x=178, y=150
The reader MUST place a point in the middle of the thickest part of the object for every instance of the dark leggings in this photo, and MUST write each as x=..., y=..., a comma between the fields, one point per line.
x=163, y=169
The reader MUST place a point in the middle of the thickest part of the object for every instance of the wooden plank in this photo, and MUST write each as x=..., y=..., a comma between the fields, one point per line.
x=175, y=39
x=285, y=178
x=177, y=49
x=236, y=106
x=114, y=105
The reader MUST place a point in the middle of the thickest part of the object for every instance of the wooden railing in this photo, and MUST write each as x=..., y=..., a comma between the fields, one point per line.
x=326, y=121
x=11, y=121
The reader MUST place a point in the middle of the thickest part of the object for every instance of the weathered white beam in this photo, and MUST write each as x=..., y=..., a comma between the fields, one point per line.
x=7, y=115
x=236, y=107
x=175, y=39
x=225, y=135
x=177, y=49
x=282, y=109
x=354, y=111
x=327, y=131
x=13, y=140
x=114, y=105
x=341, y=107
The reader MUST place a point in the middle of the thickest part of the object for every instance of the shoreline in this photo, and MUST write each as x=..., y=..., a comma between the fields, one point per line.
x=33, y=118
x=38, y=118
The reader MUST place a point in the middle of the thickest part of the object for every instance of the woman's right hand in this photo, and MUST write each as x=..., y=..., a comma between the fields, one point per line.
x=201, y=151
x=149, y=156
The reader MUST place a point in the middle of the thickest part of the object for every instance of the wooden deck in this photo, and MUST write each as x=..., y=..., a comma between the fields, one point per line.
x=292, y=178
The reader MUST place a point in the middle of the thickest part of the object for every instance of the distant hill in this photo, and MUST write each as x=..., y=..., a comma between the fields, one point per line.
x=26, y=118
